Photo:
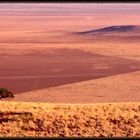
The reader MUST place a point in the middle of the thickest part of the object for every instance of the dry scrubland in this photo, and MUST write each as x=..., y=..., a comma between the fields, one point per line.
x=69, y=120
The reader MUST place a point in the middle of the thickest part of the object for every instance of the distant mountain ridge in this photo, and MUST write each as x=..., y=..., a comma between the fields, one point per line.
x=123, y=28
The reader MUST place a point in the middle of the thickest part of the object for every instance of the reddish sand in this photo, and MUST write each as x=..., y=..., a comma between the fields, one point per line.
x=39, y=51
x=118, y=88
x=36, y=69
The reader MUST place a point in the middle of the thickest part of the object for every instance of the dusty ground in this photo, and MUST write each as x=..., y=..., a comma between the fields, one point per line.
x=60, y=120
x=33, y=66
x=41, y=49
x=118, y=88
x=29, y=70
x=42, y=59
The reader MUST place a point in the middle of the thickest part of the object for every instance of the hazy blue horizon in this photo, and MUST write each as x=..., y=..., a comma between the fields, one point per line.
x=69, y=8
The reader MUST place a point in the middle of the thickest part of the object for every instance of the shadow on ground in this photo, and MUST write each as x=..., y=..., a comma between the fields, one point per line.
x=36, y=69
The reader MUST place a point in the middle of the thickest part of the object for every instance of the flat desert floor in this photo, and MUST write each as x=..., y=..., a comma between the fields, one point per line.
x=70, y=57
x=77, y=72
x=74, y=70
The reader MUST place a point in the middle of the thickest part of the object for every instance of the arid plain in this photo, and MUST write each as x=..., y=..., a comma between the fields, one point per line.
x=63, y=56
x=39, y=52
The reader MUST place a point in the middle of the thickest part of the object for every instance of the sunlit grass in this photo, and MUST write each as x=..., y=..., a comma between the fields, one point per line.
x=69, y=120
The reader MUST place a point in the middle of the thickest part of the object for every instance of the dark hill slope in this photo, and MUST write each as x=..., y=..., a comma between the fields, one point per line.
x=112, y=29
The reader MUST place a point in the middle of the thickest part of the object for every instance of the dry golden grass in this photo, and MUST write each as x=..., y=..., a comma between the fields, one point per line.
x=20, y=119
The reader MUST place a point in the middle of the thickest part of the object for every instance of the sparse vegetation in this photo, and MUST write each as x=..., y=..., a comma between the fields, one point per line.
x=69, y=120
x=5, y=93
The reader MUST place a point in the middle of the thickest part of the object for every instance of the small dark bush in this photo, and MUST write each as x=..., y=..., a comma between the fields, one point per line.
x=5, y=93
